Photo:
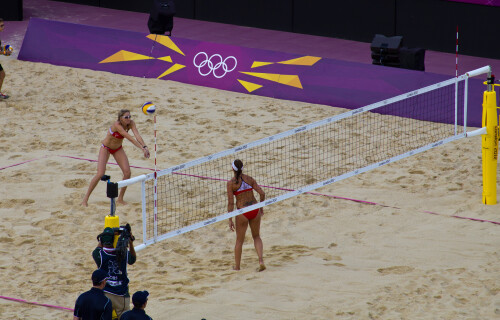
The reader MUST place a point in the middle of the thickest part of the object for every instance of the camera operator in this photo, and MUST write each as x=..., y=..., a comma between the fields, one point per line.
x=114, y=261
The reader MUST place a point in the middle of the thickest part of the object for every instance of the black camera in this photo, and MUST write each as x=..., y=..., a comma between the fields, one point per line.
x=124, y=237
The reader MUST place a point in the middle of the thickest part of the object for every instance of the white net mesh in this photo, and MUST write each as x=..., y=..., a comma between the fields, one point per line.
x=193, y=195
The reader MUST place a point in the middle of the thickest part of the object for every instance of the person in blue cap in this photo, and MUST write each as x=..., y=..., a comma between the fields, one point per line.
x=93, y=304
x=140, y=300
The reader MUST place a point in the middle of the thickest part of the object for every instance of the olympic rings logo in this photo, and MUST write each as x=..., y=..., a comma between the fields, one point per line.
x=214, y=64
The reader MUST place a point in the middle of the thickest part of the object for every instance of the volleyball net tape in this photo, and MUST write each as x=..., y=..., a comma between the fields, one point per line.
x=193, y=195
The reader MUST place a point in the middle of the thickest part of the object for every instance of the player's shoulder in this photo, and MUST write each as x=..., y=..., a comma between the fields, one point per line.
x=247, y=178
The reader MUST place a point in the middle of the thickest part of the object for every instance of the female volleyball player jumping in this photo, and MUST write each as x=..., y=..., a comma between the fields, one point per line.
x=112, y=144
x=241, y=186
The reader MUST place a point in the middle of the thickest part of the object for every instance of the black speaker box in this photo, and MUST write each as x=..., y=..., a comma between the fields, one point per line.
x=385, y=50
x=387, y=44
x=412, y=58
x=11, y=10
x=161, y=18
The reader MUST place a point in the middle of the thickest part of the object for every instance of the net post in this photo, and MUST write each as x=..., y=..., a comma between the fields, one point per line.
x=456, y=86
x=466, y=97
x=144, y=215
x=490, y=143
x=456, y=105
x=155, y=209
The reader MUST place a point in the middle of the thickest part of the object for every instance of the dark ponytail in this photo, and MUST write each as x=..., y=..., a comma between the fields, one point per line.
x=239, y=165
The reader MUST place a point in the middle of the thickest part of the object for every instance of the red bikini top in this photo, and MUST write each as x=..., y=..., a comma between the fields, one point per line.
x=243, y=188
x=117, y=135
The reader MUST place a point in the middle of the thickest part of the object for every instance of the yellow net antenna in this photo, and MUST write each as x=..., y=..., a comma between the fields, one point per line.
x=490, y=142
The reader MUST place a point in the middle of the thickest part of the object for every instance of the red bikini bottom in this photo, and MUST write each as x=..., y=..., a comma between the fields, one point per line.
x=251, y=214
x=111, y=150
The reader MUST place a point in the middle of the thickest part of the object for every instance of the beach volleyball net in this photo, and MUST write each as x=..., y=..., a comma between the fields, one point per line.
x=193, y=195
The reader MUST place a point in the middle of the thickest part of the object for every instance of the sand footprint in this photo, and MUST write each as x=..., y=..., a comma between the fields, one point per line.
x=10, y=203
x=278, y=255
x=416, y=172
x=75, y=183
x=54, y=228
x=326, y=256
x=6, y=240
x=395, y=270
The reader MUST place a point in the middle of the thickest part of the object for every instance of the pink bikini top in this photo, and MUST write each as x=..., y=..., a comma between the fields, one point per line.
x=117, y=135
x=244, y=187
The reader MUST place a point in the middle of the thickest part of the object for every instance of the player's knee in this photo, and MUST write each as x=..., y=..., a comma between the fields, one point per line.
x=127, y=174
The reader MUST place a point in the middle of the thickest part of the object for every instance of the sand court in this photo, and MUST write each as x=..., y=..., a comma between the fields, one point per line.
x=403, y=257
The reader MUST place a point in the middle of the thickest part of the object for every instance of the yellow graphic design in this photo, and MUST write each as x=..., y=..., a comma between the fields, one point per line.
x=257, y=64
x=249, y=86
x=284, y=79
x=308, y=61
x=289, y=80
x=167, y=58
x=124, y=55
x=302, y=61
x=166, y=41
x=171, y=70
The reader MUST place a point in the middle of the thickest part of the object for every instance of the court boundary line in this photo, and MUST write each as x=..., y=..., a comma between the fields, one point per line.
x=36, y=303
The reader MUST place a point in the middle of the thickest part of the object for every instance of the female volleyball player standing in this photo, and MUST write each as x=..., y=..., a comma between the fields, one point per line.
x=112, y=144
x=6, y=53
x=241, y=186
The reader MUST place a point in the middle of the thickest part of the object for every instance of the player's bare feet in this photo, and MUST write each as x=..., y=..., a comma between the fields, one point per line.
x=236, y=269
x=261, y=268
x=84, y=204
x=123, y=203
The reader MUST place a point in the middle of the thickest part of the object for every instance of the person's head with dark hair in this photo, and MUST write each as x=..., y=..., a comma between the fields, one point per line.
x=237, y=168
x=107, y=237
x=139, y=299
x=99, y=278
